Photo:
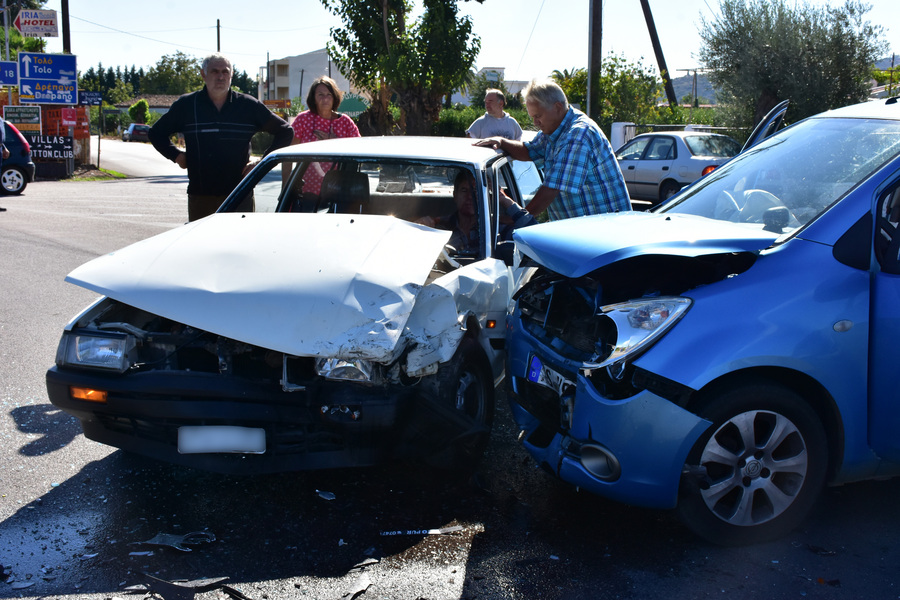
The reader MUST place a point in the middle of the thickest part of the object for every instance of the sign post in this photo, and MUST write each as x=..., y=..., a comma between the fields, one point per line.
x=94, y=99
x=48, y=78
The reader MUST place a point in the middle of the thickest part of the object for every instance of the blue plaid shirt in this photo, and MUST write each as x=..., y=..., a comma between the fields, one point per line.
x=578, y=161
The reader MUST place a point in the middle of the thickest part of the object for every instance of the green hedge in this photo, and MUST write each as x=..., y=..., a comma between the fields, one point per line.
x=453, y=122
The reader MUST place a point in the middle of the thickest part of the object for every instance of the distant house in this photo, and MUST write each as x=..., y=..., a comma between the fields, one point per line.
x=159, y=103
x=491, y=74
x=290, y=77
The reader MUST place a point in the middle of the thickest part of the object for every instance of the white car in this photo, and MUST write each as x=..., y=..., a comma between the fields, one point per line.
x=657, y=165
x=302, y=328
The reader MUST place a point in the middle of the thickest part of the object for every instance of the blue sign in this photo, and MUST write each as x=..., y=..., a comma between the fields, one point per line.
x=90, y=98
x=9, y=73
x=48, y=78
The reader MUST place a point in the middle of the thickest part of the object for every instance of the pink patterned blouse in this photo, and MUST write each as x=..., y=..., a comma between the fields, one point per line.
x=305, y=127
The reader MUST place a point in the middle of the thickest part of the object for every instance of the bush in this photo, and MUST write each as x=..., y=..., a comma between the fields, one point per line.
x=453, y=122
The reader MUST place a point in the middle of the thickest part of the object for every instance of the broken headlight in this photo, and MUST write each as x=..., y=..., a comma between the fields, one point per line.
x=107, y=351
x=345, y=369
x=638, y=325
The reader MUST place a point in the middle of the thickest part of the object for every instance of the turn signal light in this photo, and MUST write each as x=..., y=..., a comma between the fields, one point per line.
x=87, y=394
x=491, y=324
x=708, y=170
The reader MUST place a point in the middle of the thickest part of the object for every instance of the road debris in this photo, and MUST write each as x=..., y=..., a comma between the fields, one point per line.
x=171, y=590
x=440, y=531
x=178, y=541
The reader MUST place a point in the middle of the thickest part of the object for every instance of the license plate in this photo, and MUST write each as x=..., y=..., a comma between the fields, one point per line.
x=221, y=439
x=543, y=375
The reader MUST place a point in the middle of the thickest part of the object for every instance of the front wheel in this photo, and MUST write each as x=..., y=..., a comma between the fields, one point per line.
x=12, y=180
x=460, y=402
x=754, y=475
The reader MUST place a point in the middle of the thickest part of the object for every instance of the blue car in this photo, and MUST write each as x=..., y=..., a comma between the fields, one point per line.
x=729, y=353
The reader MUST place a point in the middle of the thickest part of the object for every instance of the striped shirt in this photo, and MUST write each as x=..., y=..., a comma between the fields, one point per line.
x=578, y=161
x=217, y=142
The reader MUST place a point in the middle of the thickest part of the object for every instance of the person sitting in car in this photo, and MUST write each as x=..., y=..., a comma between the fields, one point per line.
x=464, y=221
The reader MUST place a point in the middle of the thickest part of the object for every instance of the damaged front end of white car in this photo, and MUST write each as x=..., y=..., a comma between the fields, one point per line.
x=262, y=343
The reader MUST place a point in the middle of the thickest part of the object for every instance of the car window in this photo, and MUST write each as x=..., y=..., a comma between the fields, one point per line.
x=788, y=180
x=887, y=232
x=528, y=178
x=413, y=191
x=720, y=146
x=661, y=148
x=633, y=150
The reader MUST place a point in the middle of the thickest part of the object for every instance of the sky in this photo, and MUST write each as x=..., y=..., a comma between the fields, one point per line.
x=529, y=38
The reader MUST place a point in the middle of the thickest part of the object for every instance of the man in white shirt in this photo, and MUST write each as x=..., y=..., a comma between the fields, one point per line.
x=495, y=122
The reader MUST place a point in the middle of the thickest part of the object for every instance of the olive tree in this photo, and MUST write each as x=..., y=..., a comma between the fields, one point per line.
x=760, y=52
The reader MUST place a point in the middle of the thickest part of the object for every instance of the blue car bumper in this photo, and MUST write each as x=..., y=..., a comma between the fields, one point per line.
x=630, y=450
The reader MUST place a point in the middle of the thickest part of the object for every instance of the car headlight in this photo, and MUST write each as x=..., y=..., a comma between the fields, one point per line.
x=345, y=369
x=107, y=351
x=639, y=323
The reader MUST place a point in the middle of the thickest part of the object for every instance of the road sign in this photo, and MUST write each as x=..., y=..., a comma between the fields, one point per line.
x=25, y=118
x=90, y=98
x=37, y=23
x=47, y=78
x=9, y=73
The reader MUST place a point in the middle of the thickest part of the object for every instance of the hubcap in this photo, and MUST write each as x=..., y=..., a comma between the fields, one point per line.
x=12, y=180
x=756, y=463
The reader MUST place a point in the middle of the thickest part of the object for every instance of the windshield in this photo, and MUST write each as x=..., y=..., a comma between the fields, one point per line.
x=794, y=176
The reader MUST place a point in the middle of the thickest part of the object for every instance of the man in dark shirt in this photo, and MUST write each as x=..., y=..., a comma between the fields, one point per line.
x=217, y=124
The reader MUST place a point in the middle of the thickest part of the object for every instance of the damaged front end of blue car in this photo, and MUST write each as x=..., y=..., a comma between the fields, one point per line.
x=584, y=314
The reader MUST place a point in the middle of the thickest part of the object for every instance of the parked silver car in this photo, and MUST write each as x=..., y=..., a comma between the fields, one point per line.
x=657, y=165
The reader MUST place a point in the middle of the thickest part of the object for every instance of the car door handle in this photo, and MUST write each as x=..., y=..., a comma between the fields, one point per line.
x=665, y=168
x=631, y=167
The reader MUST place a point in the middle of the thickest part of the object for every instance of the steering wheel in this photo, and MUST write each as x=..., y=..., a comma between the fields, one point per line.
x=756, y=203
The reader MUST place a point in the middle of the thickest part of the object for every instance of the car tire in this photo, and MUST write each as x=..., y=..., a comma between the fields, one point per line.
x=735, y=495
x=12, y=180
x=669, y=189
x=461, y=396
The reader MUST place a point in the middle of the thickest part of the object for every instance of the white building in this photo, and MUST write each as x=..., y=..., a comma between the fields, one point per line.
x=491, y=74
x=288, y=78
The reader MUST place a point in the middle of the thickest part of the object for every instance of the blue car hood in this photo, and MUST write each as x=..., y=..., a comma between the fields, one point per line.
x=574, y=247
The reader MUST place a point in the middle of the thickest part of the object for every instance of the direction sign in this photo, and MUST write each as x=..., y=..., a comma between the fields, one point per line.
x=9, y=73
x=90, y=98
x=47, y=78
x=37, y=23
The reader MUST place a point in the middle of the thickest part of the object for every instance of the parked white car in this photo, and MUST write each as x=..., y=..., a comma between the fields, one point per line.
x=657, y=165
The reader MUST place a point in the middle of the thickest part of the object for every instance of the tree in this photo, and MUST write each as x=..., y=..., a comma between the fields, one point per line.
x=480, y=84
x=174, y=74
x=139, y=111
x=760, y=52
x=418, y=63
x=574, y=84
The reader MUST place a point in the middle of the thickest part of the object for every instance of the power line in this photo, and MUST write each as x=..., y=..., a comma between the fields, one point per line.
x=533, y=27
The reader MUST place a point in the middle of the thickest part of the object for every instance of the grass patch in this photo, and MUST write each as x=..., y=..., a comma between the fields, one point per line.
x=92, y=173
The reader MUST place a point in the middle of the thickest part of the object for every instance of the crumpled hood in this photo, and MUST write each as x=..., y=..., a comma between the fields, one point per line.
x=303, y=284
x=575, y=247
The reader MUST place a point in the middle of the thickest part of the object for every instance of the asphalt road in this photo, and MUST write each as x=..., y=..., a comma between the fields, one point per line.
x=75, y=515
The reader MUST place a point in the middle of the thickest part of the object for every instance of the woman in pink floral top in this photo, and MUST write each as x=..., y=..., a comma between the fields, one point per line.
x=321, y=122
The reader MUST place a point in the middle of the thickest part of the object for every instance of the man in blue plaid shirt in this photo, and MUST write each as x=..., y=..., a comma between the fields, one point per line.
x=581, y=174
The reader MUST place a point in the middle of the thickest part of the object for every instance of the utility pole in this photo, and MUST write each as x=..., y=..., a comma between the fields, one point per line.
x=218, y=36
x=595, y=58
x=657, y=49
x=67, y=39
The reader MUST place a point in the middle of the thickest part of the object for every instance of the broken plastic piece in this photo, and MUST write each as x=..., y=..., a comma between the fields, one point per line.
x=450, y=529
x=171, y=590
x=178, y=542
